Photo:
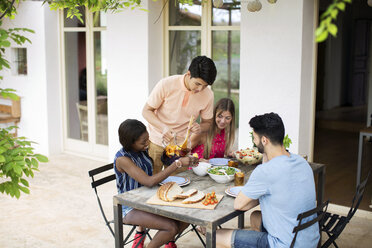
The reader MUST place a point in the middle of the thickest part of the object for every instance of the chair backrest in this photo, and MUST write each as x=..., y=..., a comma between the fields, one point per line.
x=319, y=210
x=357, y=197
x=98, y=182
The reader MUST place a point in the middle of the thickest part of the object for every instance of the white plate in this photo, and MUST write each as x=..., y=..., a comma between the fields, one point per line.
x=233, y=191
x=219, y=161
x=181, y=181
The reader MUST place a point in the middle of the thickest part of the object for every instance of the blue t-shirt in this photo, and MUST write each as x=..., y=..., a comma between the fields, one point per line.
x=285, y=188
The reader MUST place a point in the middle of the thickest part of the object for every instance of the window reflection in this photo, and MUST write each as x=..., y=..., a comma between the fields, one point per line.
x=226, y=15
x=183, y=47
x=185, y=15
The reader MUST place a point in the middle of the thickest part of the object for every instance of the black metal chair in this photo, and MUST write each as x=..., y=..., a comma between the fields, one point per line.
x=319, y=210
x=334, y=224
x=102, y=179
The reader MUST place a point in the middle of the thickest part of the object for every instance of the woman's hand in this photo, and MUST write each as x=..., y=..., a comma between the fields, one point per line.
x=189, y=161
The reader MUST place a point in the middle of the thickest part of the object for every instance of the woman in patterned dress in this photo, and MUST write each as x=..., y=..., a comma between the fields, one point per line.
x=218, y=141
x=133, y=169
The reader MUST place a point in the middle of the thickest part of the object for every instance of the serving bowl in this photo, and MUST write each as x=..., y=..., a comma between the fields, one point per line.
x=217, y=175
x=249, y=156
x=201, y=169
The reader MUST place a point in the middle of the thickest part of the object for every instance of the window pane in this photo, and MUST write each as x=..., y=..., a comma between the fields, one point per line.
x=226, y=55
x=226, y=15
x=19, y=61
x=74, y=22
x=76, y=85
x=101, y=87
x=99, y=19
x=183, y=47
x=185, y=15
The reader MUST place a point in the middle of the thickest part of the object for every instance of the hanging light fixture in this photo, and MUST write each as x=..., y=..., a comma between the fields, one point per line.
x=369, y=2
x=271, y=1
x=254, y=5
x=217, y=3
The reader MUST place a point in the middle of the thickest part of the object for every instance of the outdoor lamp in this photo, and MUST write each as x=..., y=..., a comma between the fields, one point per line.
x=217, y=3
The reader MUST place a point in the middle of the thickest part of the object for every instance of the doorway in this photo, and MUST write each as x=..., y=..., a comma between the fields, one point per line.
x=85, y=84
x=343, y=102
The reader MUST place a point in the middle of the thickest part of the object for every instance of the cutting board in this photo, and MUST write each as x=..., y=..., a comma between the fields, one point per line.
x=154, y=200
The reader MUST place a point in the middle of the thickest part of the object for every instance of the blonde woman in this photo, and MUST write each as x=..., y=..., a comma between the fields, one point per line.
x=218, y=141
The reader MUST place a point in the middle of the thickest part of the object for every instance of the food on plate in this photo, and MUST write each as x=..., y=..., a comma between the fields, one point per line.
x=199, y=196
x=248, y=156
x=218, y=170
x=168, y=191
x=210, y=199
x=187, y=194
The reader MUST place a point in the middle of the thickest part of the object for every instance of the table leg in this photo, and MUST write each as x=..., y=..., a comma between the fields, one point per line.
x=359, y=165
x=320, y=187
x=241, y=221
x=118, y=225
x=211, y=236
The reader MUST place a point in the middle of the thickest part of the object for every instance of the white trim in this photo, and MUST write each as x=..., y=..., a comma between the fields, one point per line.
x=88, y=149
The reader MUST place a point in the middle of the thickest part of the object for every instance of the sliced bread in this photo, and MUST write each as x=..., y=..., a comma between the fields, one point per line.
x=169, y=191
x=187, y=194
x=199, y=196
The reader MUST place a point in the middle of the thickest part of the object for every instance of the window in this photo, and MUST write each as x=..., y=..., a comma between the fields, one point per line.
x=19, y=61
x=202, y=29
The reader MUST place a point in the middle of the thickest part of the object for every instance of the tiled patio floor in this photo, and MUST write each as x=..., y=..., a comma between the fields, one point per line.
x=62, y=211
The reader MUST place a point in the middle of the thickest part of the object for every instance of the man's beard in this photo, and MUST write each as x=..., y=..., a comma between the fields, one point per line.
x=260, y=148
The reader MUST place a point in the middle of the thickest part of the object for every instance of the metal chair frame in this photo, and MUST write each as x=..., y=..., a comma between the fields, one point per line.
x=319, y=210
x=98, y=182
x=334, y=224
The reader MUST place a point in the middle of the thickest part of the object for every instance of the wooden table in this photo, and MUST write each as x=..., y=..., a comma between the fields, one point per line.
x=366, y=132
x=209, y=219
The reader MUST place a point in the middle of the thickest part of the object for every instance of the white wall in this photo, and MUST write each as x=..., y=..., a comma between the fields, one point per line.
x=134, y=62
x=274, y=73
x=34, y=88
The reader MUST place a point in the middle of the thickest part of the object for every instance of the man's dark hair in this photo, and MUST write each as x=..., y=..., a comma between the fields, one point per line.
x=204, y=68
x=269, y=125
x=129, y=131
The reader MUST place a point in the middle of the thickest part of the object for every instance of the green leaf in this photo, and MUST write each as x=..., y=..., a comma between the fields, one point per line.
x=24, y=189
x=5, y=43
x=322, y=37
x=341, y=6
x=41, y=158
x=2, y=159
x=334, y=13
x=34, y=162
x=332, y=28
x=24, y=182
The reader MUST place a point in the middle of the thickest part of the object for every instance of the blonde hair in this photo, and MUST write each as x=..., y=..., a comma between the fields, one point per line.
x=224, y=104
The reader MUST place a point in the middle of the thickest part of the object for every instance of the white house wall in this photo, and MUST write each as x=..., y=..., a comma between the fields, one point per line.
x=276, y=68
x=35, y=88
x=134, y=64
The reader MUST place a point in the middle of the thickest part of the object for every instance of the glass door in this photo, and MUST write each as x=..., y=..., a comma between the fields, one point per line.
x=85, y=84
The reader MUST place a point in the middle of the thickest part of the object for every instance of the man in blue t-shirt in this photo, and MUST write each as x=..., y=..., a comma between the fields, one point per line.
x=283, y=186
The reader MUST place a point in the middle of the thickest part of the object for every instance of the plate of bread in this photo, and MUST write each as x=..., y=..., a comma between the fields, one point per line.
x=171, y=194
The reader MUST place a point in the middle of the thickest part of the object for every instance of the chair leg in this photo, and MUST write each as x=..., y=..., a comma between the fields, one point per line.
x=197, y=233
x=129, y=234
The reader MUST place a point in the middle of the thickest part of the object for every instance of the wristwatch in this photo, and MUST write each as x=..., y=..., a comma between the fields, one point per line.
x=178, y=163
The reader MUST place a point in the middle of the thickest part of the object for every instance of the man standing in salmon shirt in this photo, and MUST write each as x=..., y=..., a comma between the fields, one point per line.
x=174, y=100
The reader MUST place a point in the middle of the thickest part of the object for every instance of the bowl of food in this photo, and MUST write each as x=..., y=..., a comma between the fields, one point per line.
x=201, y=169
x=222, y=174
x=249, y=156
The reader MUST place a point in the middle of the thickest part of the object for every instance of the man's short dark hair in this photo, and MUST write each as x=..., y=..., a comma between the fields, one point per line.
x=269, y=125
x=204, y=68
x=129, y=131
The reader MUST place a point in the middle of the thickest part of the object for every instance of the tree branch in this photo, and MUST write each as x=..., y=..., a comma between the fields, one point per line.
x=8, y=9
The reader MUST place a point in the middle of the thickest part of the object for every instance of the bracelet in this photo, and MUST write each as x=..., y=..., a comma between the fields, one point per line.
x=180, y=163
